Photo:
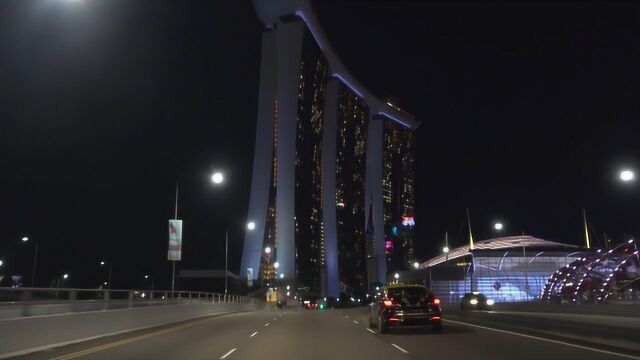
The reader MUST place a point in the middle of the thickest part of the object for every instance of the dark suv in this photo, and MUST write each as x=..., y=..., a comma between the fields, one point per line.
x=405, y=306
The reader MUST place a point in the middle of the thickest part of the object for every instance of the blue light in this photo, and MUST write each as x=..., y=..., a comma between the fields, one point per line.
x=394, y=118
x=348, y=84
x=394, y=230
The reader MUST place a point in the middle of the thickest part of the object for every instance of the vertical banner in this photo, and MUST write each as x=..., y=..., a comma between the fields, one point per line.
x=249, y=277
x=175, y=240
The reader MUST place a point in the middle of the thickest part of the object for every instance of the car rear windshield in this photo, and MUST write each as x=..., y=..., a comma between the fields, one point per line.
x=412, y=291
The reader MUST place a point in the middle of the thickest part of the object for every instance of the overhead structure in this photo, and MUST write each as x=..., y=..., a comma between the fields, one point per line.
x=604, y=276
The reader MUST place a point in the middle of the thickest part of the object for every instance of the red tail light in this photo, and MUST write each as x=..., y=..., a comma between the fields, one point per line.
x=393, y=318
x=436, y=301
x=436, y=318
x=388, y=302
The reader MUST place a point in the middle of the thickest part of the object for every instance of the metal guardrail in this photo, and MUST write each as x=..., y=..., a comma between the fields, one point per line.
x=19, y=302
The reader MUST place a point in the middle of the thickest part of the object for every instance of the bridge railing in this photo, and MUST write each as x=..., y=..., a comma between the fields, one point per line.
x=22, y=301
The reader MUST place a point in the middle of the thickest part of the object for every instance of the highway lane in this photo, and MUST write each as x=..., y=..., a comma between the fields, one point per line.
x=329, y=334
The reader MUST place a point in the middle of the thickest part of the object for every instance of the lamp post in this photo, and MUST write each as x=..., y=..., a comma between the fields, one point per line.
x=149, y=277
x=64, y=277
x=108, y=264
x=25, y=239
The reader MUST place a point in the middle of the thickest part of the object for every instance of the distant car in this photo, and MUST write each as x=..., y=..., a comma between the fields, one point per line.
x=405, y=306
x=310, y=304
x=476, y=301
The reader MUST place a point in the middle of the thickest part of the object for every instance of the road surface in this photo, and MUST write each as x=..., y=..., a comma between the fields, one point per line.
x=322, y=335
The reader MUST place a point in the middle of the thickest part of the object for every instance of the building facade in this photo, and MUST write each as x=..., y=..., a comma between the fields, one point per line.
x=318, y=165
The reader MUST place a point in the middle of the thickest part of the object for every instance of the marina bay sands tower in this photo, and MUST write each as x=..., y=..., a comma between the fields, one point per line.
x=332, y=192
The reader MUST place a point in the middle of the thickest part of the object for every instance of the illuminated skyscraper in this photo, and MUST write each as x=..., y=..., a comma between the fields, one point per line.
x=318, y=162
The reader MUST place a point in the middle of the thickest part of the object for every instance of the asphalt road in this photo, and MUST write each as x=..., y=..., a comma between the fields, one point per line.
x=328, y=334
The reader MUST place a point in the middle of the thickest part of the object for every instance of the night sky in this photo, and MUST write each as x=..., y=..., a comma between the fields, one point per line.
x=528, y=110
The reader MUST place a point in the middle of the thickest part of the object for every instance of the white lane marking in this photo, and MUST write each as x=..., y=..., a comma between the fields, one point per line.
x=346, y=316
x=254, y=334
x=545, y=339
x=267, y=324
x=229, y=353
x=355, y=321
x=399, y=348
x=371, y=331
x=275, y=318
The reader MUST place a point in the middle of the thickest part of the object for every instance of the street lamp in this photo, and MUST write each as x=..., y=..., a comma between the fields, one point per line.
x=627, y=175
x=396, y=276
x=103, y=263
x=445, y=249
x=64, y=276
x=267, y=250
x=25, y=239
x=251, y=225
x=217, y=177
x=148, y=277
x=1, y=262
x=498, y=226
x=416, y=265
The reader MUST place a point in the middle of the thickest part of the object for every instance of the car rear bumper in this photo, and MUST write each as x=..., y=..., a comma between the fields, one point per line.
x=413, y=320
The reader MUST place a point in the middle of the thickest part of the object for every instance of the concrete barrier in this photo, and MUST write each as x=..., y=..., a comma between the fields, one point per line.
x=28, y=334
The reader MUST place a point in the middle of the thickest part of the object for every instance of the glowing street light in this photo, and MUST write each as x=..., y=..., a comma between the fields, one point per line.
x=251, y=225
x=65, y=276
x=396, y=276
x=217, y=178
x=276, y=264
x=416, y=265
x=267, y=250
x=445, y=249
x=498, y=226
x=627, y=175
x=25, y=239
x=1, y=262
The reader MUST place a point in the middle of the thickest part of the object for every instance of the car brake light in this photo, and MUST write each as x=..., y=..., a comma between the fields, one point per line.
x=436, y=318
x=388, y=302
x=436, y=301
x=394, y=319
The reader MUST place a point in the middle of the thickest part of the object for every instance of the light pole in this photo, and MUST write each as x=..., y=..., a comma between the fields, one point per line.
x=217, y=178
x=102, y=264
x=25, y=239
x=64, y=276
x=149, y=277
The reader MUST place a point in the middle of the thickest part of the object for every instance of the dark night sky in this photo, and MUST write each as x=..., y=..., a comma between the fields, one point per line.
x=527, y=111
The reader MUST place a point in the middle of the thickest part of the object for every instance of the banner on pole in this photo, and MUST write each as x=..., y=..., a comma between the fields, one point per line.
x=249, y=277
x=175, y=240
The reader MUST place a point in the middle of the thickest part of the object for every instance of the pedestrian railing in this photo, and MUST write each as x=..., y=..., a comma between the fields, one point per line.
x=22, y=301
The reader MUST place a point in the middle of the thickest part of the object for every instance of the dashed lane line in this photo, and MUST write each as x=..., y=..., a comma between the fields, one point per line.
x=254, y=334
x=228, y=353
x=399, y=348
